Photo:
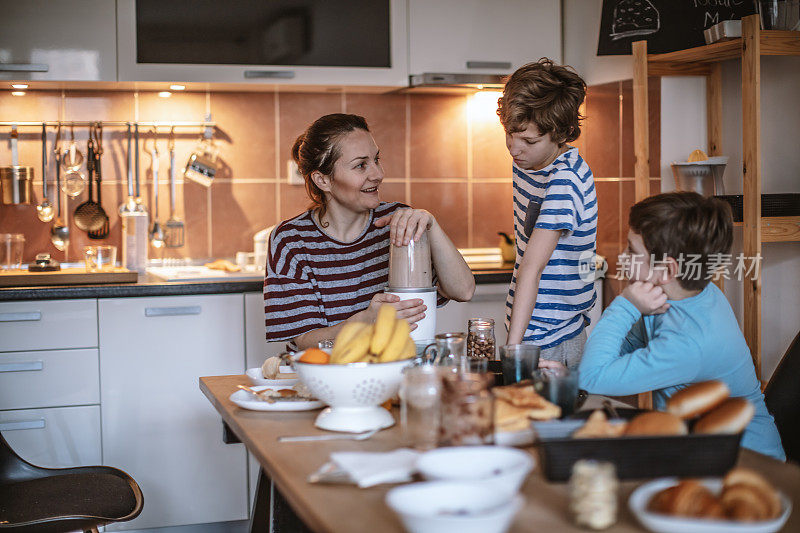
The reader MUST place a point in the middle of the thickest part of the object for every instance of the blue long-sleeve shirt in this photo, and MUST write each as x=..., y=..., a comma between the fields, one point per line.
x=697, y=339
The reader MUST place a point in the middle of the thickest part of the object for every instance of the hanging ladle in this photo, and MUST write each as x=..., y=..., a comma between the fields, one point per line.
x=44, y=210
x=59, y=233
x=72, y=159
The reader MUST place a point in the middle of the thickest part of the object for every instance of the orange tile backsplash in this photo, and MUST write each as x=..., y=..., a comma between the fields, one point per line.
x=434, y=154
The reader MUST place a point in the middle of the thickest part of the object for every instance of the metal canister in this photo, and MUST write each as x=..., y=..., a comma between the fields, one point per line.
x=16, y=183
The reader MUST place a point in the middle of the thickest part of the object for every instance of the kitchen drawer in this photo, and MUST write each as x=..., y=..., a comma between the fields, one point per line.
x=49, y=378
x=54, y=438
x=48, y=325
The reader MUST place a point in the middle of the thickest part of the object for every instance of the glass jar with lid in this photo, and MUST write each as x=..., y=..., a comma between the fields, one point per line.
x=480, y=339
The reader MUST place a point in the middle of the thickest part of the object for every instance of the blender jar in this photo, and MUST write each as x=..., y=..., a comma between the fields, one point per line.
x=410, y=265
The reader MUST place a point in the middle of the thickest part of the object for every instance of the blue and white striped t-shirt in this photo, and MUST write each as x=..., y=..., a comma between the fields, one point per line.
x=560, y=196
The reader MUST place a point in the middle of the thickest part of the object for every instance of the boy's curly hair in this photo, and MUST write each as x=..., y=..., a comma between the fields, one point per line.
x=547, y=95
x=684, y=223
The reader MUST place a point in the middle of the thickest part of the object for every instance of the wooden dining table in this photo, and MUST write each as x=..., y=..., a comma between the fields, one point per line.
x=340, y=508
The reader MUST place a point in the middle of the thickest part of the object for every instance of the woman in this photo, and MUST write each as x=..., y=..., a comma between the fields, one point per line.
x=330, y=264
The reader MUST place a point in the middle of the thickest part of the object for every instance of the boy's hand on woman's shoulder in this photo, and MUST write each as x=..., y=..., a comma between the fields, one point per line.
x=649, y=299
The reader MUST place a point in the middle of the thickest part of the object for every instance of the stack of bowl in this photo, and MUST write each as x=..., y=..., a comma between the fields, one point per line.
x=469, y=489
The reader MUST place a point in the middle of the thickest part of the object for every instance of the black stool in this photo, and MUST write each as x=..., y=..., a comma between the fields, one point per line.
x=54, y=500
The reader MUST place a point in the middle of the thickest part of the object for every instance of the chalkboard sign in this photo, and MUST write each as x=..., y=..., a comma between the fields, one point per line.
x=666, y=25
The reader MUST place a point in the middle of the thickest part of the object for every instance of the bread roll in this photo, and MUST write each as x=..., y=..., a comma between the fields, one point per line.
x=765, y=490
x=744, y=503
x=697, y=399
x=655, y=423
x=731, y=417
x=688, y=498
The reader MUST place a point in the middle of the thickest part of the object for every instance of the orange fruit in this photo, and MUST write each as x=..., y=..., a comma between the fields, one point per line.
x=315, y=356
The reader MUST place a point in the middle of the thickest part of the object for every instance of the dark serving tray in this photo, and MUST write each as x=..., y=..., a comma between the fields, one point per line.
x=772, y=205
x=644, y=457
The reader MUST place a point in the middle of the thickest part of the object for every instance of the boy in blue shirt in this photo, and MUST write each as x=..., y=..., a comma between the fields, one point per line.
x=555, y=212
x=670, y=327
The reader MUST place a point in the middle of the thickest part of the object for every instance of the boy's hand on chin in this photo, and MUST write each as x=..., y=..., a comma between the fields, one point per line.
x=649, y=299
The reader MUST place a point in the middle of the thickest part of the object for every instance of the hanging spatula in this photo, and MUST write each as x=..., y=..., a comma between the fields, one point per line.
x=174, y=228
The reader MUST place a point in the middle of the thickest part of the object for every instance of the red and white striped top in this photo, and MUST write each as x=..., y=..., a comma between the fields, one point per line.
x=314, y=281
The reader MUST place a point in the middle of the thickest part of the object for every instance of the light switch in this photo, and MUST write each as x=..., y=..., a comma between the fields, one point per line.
x=295, y=178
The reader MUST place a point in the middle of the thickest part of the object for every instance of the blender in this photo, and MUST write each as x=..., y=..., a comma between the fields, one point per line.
x=411, y=276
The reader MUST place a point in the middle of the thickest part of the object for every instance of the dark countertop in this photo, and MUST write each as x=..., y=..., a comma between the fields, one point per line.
x=152, y=286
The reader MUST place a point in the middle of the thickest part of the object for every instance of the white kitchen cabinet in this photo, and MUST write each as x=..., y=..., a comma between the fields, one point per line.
x=63, y=40
x=54, y=438
x=49, y=378
x=256, y=346
x=489, y=301
x=482, y=36
x=48, y=325
x=257, y=349
x=157, y=425
x=183, y=34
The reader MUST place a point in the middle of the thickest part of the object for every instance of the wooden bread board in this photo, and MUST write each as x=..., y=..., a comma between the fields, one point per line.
x=66, y=276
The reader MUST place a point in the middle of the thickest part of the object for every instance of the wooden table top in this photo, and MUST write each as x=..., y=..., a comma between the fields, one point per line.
x=346, y=508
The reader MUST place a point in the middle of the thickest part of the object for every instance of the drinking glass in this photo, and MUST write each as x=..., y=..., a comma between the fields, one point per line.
x=779, y=14
x=100, y=258
x=559, y=386
x=518, y=361
x=420, y=395
x=11, y=247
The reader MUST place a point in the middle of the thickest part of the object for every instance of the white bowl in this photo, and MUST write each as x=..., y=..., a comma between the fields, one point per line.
x=353, y=392
x=453, y=507
x=667, y=524
x=503, y=469
x=256, y=377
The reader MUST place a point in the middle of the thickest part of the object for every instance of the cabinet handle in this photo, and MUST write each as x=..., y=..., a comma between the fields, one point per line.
x=21, y=367
x=502, y=65
x=283, y=74
x=33, y=316
x=24, y=67
x=22, y=424
x=172, y=311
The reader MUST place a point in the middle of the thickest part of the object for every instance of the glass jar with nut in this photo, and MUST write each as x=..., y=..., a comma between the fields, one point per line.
x=480, y=340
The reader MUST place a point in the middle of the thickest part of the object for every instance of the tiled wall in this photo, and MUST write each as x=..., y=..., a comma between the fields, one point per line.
x=444, y=153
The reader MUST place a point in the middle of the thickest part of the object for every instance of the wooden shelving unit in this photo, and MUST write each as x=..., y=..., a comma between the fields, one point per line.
x=704, y=60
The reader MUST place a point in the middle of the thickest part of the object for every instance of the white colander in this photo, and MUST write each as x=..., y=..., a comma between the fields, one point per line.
x=354, y=392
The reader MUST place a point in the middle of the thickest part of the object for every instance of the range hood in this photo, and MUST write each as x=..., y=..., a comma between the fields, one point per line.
x=436, y=80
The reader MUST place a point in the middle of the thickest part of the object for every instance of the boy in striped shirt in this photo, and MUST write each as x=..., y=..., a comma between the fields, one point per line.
x=555, y=213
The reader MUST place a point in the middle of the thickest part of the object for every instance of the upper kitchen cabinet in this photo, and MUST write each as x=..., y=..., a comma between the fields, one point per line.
x=287, y=42
x=65, y=41
x=482, y=36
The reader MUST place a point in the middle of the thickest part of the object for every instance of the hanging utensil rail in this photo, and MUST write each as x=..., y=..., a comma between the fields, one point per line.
x=110, y=124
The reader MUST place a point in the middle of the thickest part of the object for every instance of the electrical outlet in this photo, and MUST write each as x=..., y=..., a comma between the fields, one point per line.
x=295, y=178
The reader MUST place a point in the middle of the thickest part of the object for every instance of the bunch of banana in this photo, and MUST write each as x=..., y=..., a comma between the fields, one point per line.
x=389, y=339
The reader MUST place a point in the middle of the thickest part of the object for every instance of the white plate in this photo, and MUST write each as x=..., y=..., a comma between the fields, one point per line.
x=256, y=377
x=245, y=400
x=660, y=523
